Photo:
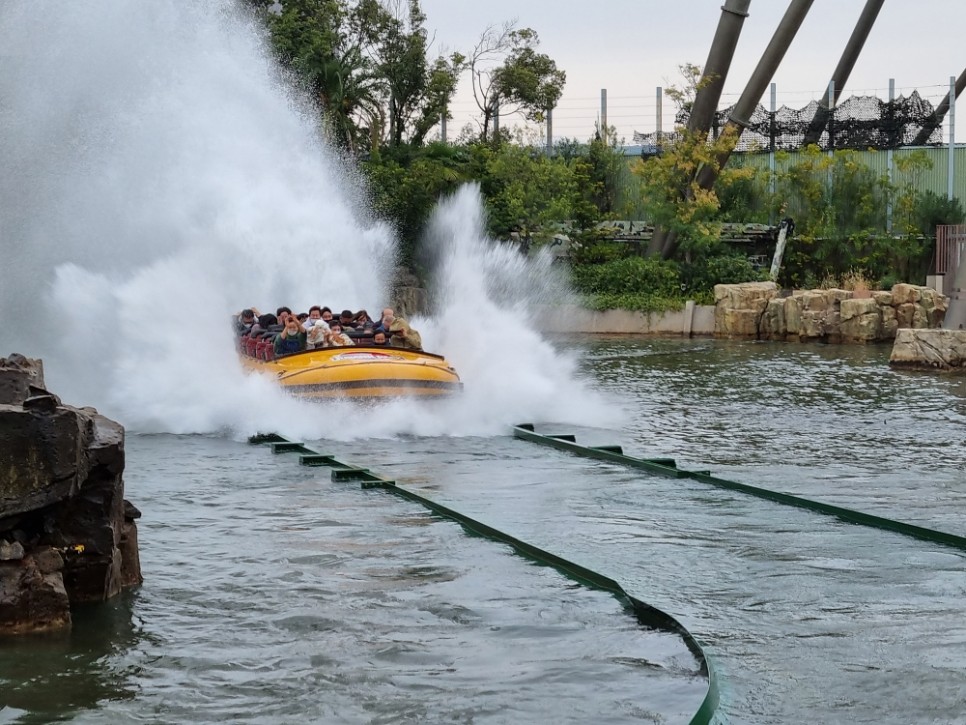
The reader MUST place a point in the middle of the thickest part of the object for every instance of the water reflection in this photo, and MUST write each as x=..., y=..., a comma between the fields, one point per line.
x=45, y=678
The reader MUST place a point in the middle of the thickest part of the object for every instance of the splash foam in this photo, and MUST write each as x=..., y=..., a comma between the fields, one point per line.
x=162, y=175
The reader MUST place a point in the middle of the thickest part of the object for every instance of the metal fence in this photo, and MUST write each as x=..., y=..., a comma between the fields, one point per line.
x=950, y=251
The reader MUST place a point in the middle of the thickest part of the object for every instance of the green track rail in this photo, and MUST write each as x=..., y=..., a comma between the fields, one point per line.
x=668, y=467
x=645, y=614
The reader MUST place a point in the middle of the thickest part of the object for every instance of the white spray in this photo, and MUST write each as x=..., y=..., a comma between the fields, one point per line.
x=159, y=175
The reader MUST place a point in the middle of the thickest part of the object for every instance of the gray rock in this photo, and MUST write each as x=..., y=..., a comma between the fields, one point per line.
x=11, y=551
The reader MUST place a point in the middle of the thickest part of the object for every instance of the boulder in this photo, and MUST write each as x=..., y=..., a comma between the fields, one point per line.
x=32, y=599
x=929, y=349
x=861, y=320
x=67, y=536
x=18, y=374
x=906, y=294
x=755, y=310
x=42, y=456
x=739, y=307
x=793, y=314
x=772, y=325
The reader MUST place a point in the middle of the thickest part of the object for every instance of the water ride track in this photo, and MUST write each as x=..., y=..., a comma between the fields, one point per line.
x=668, y=467
x=645, y=614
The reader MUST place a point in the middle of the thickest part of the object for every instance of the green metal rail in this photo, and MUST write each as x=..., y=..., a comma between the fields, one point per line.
x=668, y=467
x=645, y=614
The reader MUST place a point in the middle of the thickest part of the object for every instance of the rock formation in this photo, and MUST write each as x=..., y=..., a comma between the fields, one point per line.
x=943, y=350
x=67, y=536
x=758, y=310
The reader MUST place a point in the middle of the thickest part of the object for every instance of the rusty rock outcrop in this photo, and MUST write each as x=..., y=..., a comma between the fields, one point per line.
x=67, y=536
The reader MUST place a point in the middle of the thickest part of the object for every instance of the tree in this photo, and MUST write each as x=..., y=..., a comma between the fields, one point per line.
x=674, y=200
x=506, y=68
x=310, y=37
x=397, y=42
x=683, y=96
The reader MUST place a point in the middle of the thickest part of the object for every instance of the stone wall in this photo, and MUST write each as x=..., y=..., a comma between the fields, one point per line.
x=759, y=310
x=67, y=536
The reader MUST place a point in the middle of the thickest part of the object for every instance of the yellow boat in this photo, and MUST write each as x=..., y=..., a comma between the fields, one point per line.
x=362, y=371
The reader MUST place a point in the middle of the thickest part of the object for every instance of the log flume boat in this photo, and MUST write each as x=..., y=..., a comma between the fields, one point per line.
x=359, y=372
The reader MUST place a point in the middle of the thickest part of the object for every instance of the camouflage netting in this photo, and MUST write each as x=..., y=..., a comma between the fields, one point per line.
x=860, y=122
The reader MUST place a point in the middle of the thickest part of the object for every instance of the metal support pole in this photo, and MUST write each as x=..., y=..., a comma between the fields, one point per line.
x=831, y=118
x=772, y=133
x=755, y=88
x=549, y=132
x=603, y=115
x=716, y=67
x=659, y=117
x=843, y=70
x=831, y=138
x=890, y=166
x=952, y=138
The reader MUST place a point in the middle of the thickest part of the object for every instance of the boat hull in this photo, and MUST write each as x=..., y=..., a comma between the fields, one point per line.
x=360, y=372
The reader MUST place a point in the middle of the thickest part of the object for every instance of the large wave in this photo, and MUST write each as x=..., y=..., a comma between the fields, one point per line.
x=162, y=174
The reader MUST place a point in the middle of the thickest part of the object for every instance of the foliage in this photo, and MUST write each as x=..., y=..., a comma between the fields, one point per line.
x=933, y=210
x=311, y=38
x=856, y=280
x=683, y=96
x=366, y=63
x=742, y=194
x=633, y=275
x=673, y=198
x=406, y=184
x=507, y=69
x=397, y=41
x=634, y=283
x=595, y=246
x=527, y=189
x=699, y=277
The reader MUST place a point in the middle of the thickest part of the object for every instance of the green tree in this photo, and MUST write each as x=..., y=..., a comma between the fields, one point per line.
x=406, y=183
x=506, y=68
x=525, y=188
x=310, y=36
x=418, y=91
x=673, y=199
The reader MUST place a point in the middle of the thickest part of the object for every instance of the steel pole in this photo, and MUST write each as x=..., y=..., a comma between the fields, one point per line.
x=840, y=76
x=741, y=115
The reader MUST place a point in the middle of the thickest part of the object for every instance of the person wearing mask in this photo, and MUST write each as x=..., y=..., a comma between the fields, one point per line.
x=336, y=337
x=346, y=319
x=244, y=321
x=292, y=338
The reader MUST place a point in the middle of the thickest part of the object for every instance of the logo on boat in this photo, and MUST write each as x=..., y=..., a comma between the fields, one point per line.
x=367, y=356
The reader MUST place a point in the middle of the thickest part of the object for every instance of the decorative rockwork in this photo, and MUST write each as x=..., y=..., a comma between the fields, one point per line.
x=759, y=310
x=67, y=536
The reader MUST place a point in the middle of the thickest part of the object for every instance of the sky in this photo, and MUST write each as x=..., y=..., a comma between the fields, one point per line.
x=630, y=47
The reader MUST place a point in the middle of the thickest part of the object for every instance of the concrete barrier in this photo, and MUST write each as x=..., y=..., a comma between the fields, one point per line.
x=692, y=320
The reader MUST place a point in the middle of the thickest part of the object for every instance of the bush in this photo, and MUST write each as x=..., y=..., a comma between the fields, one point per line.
x=700, y=277
x=933, y=210
x=631, y=276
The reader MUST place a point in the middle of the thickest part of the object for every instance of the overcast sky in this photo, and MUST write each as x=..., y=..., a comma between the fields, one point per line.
x=630, y=47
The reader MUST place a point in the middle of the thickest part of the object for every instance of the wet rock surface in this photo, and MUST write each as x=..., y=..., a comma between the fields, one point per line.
x=67, y=536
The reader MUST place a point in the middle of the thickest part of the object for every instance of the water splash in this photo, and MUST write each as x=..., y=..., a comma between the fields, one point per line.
x=161, y=175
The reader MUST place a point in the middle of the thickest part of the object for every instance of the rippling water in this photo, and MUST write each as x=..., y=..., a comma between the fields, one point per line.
x=273, y=595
